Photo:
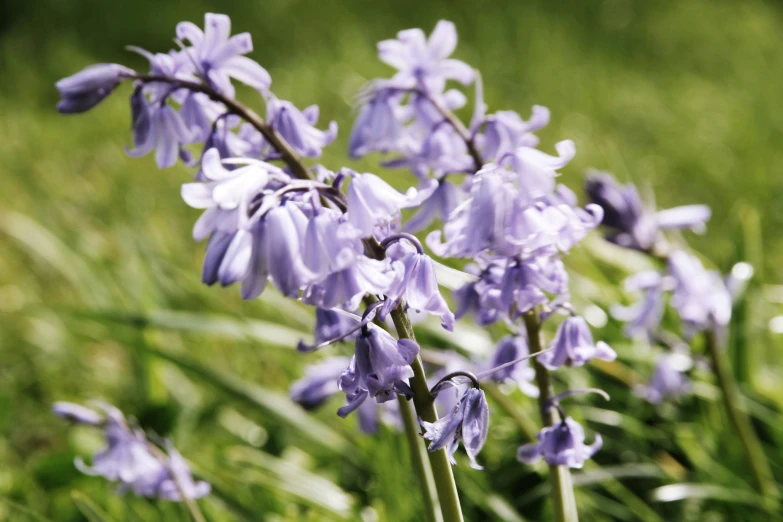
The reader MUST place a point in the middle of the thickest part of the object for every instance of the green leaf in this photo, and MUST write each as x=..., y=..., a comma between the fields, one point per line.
x=89, y=509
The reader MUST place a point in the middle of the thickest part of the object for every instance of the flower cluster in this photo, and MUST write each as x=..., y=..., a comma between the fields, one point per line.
x=132, y=460
x=700, y=297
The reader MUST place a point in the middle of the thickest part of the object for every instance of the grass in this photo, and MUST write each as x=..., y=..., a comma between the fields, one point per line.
x=99, y=289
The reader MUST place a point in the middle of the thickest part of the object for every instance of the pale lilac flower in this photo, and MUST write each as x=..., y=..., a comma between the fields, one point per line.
x=537, y=170
x=424, y=62
x=524, y=283
x=573, y=345
x=378, y=369
x=468, y=423
x=505, y=131
x=298, y=127
x=379, y=125
x=90, y=86
x=560, y=445
x=77, y=413
x=442, y=151
x=668, y=380
x=438, y=205
x=319, y=383
x=330, y=324
x=176, y=466
x=285, y=229
x=415, y=283
x=160, y=127
x=700, y=296
x=482, y=299
x=217, y=56
x=643, y=317
x=512, y=348
x=372, y=202
x=631, y=224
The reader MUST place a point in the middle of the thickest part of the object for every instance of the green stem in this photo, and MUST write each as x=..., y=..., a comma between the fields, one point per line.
x=425, y=408
x=419, y=460
x=562, y=490
x=735, y=407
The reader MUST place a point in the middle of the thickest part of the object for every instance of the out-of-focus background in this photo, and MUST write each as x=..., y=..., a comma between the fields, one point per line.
x=99, y=279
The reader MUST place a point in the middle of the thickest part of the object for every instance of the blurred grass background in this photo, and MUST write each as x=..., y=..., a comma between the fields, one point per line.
x=99, y=279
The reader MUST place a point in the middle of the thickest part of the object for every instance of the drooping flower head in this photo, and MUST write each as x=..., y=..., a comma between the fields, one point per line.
x=468, y=423
x=573, y=345
x=87, y=88
x=560, y=445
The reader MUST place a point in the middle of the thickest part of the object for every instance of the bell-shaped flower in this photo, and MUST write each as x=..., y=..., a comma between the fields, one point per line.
x=442, y=151
x=643, y=318
x=90, y=86
x=378, y=369
x=77, y=414
x=179, y=483
x=512, y=348
x=298, y=127
x=379, y=127
x=506, y=131
x=525, y=281
x=468, y=423
x=537, y=170
x=372, y=202
x=438, y=205
x=162, y=128
x=415, y=282
x=330, y=324
x=573, y=345
x=286, y=226
x=423, y=62
x=319, y=383
x=481, y=299
x=560, y=445
x=217, y=56
x=700, y=296
x=668, y=380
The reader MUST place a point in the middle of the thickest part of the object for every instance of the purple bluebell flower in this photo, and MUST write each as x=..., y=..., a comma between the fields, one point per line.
x=631, y=224
x=330, y=324
x=560, y=445
x=379, y=125
x=286, y=226
x=176, y=466
x=482, y=299
x=537, y=170
x=643, y=317
x=505, y=131
x=217, y=56
x=372, y=202
x=668, y=380
x=163, y=129
x=468, y=422
x=346, y=287
x=524, y=283
x=298, y=127
x=77, y=413
x=700, y=296
x=90, y=86
x=424, y=62
x=319, y=383
x=573, y=345
x=438, y=205
x=415, y=283
x=511, y=348
x=440, y=152
x=378, y=369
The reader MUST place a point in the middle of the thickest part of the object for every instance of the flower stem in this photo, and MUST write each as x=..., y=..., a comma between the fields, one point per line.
x=425, y=408
x=735, y=408
x=562, y=490
x=419, y=461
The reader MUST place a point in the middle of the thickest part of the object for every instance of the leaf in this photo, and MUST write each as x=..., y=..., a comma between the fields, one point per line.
x=676, y=492
x=288, y=477
x=89, y=509
x=270, y=401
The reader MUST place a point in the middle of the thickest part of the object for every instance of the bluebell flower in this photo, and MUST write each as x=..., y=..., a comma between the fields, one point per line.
x=415, y=283
x=378, y=369
x=90, y=86
x=560, y=445
x=643, y=318
x=286, y=226
x=77, y=413
x=372, y=202
x=512, y=348
x=668, y=380
x=573, y=345
x=438, y=205
x=217, y=56
x=319, y=383
x=468, y=423
x=482, y=299
x=330, y=324
x=700, y=296
x=423, y=62
x=525, y=281
x=298, y=127
x=176, y=466
x=162, y=128
x=379, y=125
x=505, y=131
x=537, y=170
x=632, y=225
x=440, y=151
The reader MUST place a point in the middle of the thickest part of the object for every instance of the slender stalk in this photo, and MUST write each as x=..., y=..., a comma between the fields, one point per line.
x=562, y=489
x=735, y=407
x=419, y=459
x=190, y=504
x=463, y=132
x=425, y=408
